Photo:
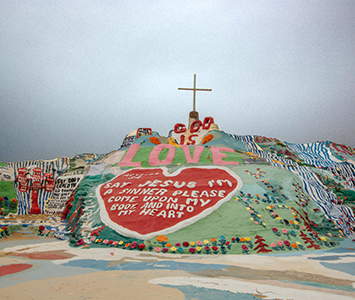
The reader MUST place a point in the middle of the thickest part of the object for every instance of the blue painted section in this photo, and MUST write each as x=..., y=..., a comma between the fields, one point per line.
x=334, y=286
x=343, y=267
x=333, y=257
x=192, y=292
x=42, y=269
x=102, y=265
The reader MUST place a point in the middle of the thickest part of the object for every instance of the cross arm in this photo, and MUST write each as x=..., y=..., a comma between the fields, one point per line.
x=192, y=89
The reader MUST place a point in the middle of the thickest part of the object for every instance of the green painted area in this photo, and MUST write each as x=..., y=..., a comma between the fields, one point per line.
x=222, y=139
x=8, y=200
x=246, y=215
x=271, y=213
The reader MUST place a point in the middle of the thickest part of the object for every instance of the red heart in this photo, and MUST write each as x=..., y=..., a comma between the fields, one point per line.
x=144, y=203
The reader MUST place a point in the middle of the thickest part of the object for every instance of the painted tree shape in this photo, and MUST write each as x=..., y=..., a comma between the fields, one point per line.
x=260, y=240
x=306, y=224
x=68, y=205
x=97, y=231
x=309, y=221
x=309, y=240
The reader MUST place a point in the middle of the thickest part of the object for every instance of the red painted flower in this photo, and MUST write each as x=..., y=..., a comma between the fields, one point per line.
x=165, y=250
x=80, y=242
x=185, y=244
x=141, y=246
x=42, y=227
x=214, y=248
x=133, y=245
x=192, y=250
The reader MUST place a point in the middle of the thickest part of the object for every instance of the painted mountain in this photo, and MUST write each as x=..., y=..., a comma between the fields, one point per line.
x=198, y=191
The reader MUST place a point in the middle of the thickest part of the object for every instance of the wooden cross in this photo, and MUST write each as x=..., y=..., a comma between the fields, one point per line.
x=194, y=89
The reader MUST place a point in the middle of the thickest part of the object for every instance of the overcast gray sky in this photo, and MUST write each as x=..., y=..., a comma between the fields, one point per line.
x=77, y=76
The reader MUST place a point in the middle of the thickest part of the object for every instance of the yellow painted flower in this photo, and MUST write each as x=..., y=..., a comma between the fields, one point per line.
x=278, y=218
x=248, y=239
x=323, y=238
x=298, y=243
x=247, y=208
x=251, y=219
x=296, y=223
x=264, y=224
x=198, y=248
x=173, y=249
x=192, y=243
x=206, y=242
x=259, y=215
x=120, y=243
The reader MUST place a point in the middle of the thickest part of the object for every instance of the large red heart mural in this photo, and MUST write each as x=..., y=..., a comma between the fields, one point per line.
x=144, y=203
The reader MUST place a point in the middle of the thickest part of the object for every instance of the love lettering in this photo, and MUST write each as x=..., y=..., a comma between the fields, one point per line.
x=218, y=155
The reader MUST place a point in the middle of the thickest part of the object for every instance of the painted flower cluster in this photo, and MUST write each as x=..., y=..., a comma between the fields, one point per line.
x=206, y=246
x=258, y=174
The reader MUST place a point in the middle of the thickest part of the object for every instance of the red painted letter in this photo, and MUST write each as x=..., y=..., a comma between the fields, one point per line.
x=195, y=128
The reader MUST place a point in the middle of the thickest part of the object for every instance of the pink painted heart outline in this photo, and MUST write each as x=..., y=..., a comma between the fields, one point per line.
x=105, y=217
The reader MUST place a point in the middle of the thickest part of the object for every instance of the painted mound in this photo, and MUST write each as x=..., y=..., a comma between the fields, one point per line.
x=202, y=191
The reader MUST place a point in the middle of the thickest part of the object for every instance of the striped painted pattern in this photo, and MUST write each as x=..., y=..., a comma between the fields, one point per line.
x=319, y=155
x=57, y=167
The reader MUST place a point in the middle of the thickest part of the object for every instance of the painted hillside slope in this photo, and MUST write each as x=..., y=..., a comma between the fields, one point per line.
x=205, y=191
